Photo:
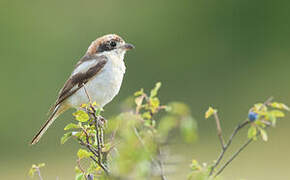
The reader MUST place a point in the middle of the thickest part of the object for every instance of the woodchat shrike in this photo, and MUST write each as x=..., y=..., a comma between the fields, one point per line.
x=99, y=72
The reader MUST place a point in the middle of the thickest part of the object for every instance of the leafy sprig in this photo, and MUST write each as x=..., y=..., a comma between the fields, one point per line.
x=260, y=117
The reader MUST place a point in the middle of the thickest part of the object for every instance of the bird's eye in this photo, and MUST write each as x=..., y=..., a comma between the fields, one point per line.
x=113, y=44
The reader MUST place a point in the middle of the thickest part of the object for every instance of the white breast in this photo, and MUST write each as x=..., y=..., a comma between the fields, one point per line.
x=104, y=86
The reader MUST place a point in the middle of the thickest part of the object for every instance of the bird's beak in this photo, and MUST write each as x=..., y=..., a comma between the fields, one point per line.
x=127, y=46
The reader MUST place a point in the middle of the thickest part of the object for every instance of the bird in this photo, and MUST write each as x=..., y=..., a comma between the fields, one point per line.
x=99, y=74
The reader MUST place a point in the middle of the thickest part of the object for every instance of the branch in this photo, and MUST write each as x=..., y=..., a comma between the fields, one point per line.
x=224, y=149
x=219, y=129
x=226, y=146
x=99, y=135
x=233, y=157
x=161, y=165
x=237, y=153
x=39, y=174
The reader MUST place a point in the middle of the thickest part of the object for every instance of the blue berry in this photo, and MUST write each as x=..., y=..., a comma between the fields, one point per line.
x=252, y=116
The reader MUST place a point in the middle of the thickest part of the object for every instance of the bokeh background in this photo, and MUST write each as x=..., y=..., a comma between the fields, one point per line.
x=230, y=54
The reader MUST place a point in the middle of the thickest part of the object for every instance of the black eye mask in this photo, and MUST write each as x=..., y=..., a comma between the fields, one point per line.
x=108, y=46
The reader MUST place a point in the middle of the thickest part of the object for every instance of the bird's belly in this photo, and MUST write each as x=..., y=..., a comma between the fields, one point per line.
x=102, y=88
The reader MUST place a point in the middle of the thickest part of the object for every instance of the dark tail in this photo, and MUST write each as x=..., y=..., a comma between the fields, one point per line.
x=56, y=112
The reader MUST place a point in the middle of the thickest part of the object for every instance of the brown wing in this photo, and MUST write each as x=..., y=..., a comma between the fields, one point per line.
x=76, y=81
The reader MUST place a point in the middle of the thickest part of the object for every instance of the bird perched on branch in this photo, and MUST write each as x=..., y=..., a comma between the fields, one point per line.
x=99, y=74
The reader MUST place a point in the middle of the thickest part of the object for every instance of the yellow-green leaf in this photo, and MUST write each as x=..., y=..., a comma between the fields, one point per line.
x=82, y=153
x=263, y=134
x=41, y=165
x=179, y=108
x=252, y=132
x=139, y=93
x=154, y=104
x=71, y=126
x=210, y=112
x=277, y=113
x=279, y=106
x=80, y=176
x=195, y=165
x=154, y=91
x=166, y=124
x=65, y=137
x=188, y=128
x=31, y=172
x=146, y=115
x=259, y=107
x=33, y=169
x=81, y=116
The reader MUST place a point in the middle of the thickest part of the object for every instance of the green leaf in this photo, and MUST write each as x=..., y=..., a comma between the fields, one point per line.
x=147, y=123
x=82, y=153
x=34, y=168
x=210, y=112
x=259, y=107
x=166, y=124
x=277, y=113
x=71, y=126
x=279, y=106
x=146, y=115
x=154, y=104
x=93, y=168
x=81, y=116
x=41, y=165
x=271, y=118
x=188, y=129
x=98, y=111
x=252, y=132
x=179, y=108
x=65, y=137
x=139, y=93
x=195, y=165
x=260, y=123
x=31, y=171
x=263, y=134
x=154, y=91
x=80, y=176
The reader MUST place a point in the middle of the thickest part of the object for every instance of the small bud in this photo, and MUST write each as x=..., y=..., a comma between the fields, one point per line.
x=90, y=177
x=252, y=116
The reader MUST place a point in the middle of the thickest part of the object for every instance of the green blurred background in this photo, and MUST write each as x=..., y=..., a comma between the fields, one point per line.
x=230, y=54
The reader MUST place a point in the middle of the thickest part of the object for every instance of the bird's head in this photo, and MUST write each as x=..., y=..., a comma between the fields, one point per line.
x=109, y=43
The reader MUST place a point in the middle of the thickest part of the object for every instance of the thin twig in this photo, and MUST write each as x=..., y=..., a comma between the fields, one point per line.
x=233, y=157
x=97, y=154
x=99, y=134
x=161, y=165
x=226, y=146
x=87, y=93
x=237, y=153
x=219, y=129
x=39, y=174
x=100, y=159
x=139, y=137
x=89, y=147
x=80, y=167
x=268, y=101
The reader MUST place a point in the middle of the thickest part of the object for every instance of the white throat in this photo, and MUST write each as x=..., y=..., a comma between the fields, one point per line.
x=105, y=85
x=116, y=58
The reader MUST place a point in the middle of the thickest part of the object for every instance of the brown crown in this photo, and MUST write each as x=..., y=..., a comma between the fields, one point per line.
x=101, y=40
